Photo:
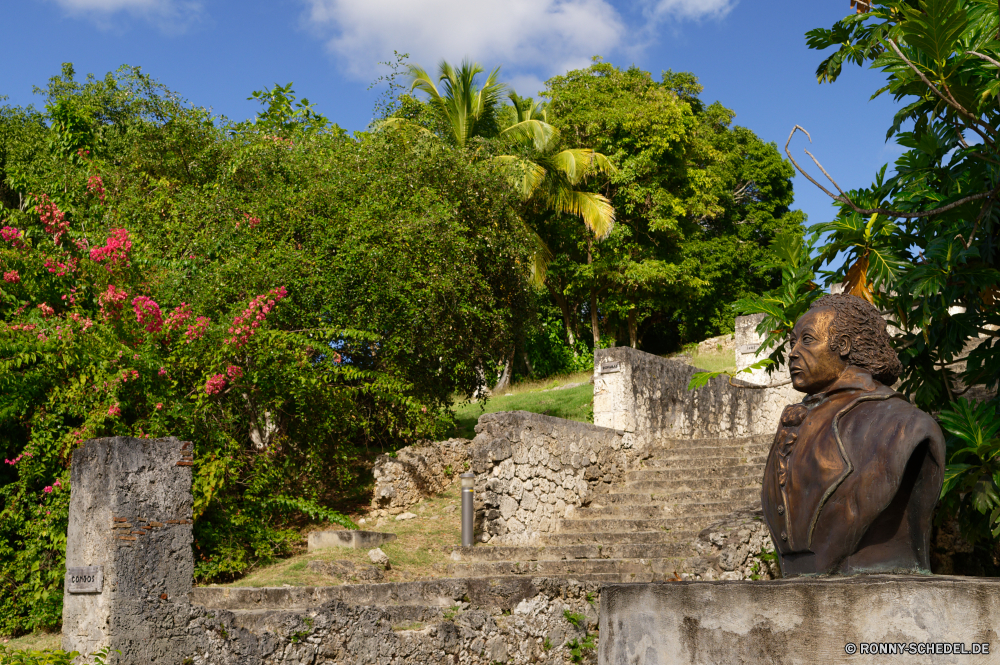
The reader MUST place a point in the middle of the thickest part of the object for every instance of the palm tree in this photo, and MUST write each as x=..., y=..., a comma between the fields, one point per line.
x=538, y=172
x=466, y=109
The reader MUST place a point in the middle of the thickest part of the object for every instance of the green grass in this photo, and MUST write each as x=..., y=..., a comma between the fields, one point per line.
x=537, y=397
x=34, y=642
x=714, y=361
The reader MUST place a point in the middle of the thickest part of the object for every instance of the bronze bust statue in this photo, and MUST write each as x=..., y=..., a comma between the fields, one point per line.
x=855, y=470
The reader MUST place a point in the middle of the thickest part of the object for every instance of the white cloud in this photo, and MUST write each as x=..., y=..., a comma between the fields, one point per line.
x=689, y=9
x=543, y=37
x=171, y=16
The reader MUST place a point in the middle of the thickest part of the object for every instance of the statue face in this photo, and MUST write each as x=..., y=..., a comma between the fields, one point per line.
x=813, y=365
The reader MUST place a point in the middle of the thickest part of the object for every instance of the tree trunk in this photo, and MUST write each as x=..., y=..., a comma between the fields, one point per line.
x=503, y=383
x=633, y=328
x=527, y=363
x=594, y=324
x=567, y=319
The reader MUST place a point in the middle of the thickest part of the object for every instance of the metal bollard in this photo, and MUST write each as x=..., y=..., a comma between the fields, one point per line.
x=468, y=510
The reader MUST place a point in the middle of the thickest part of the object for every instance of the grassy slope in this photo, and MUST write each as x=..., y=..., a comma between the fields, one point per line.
x=574, y=403
x=34, y=642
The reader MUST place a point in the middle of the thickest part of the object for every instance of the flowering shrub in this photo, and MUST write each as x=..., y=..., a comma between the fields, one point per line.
x=53, y=218
x=115, y=250
x=253, y=316
x=95, y=185
x=215, y=384
x=147, y=313
x=11, y=277
x=234, y=372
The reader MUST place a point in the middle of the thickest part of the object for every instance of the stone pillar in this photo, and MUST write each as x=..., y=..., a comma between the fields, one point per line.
x=128, y=548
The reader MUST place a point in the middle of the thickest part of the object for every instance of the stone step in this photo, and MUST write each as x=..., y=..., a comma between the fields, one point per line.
x=755, y=447
x=673, y=487
x=657, y=510
x=693, y=462
x=565, y=552
x=718, y=471
x=682, y=536
x=739, y=495
x=622, y=527
x=623, y=498
x=668, y=446
x=570, y=567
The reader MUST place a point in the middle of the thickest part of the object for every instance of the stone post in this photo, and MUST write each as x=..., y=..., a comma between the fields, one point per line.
x=128, y=548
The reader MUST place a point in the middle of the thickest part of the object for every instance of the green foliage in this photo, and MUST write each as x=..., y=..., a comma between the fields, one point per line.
x=696, y=202
x=922, y=243
x=701, y=379
x=578, y=646
x=292, y=300
x=50, y=657
x=971, y=488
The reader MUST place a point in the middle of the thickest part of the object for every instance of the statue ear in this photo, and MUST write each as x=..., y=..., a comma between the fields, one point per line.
x=844, y=346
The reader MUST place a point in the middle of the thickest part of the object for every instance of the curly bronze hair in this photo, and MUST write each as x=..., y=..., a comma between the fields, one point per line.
x=870, y=348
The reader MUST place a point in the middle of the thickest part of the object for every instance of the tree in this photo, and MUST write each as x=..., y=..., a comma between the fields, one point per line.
x=291, y=302
x=696, y=202
x=921, y=242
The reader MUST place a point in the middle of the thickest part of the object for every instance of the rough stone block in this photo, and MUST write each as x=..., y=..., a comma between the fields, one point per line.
x=807, y=621
x=359, y=540
x=130, y=515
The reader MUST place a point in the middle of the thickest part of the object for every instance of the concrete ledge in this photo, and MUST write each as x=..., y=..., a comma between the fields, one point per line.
x=359, y=540
x=797, y=621
x=502, y=593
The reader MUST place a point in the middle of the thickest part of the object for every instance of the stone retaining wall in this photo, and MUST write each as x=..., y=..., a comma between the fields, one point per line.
x=648, y=397
x=416, y=472
x=532, y=470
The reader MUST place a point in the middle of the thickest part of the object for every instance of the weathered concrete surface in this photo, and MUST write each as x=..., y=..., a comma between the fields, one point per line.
x=529, y=626
x=748, y=340
x=130, y=512
x=358, y=540
x=533, y=470
x=415, y=472
x=648, y=399
x=493, y=593
x=805, y=621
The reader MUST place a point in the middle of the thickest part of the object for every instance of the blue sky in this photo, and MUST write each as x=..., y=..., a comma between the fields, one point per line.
x=749, y=55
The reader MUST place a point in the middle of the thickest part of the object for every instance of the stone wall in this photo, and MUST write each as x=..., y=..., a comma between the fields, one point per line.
x=532, y=470
x=647, y=396
x=736, y=548
x=416, y=472
x=530, y=628
x=130, y=518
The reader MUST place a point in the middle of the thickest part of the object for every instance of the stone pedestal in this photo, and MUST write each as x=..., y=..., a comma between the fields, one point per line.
x=129, y=524
x=905, y=619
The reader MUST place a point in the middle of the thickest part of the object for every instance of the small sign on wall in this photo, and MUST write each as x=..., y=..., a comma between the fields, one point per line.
x=749, y=348
x=611, y=367
x=85, y=579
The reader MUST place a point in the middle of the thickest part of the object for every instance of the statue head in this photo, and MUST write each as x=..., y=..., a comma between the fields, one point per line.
x=840, y=331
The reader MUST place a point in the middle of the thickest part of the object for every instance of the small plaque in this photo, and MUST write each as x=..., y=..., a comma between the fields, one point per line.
x=749, y=348
x=610, y=368
x=85, y=579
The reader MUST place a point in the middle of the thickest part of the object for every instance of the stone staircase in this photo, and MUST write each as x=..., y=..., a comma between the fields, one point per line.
x=644, y=529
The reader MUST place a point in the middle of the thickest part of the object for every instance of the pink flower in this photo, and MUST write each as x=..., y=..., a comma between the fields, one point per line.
x=252, y=222
x=162, y=372
x=57, y=483
x=147, y=313
x=62, y=269
x=12, y=277
x=254, y=314
x=95, y=185
x=48, y=489
x=159, y=405
x=115, y=250
x=111, y=300
x=215, y=384
x=115, y=410
x=178, y=316
x=46, y=310
x=197, y=329
x=10, y=233
x=234, y=372
x=53, y=218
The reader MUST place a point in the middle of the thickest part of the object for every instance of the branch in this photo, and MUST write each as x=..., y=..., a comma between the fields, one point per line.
x=979, y=218
x=984, y=57
x=871, y=211
x=949, y=99
x=751, y=386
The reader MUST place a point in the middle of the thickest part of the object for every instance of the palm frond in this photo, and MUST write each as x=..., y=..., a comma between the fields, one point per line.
x=596, y=211
x=524, y=175
x=542, y=134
